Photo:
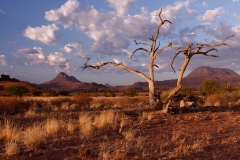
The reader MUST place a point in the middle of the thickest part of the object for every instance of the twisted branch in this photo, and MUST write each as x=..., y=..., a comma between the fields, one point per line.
x=173, y=60
x=117, y=65
x=137, y=43
x=140, y=49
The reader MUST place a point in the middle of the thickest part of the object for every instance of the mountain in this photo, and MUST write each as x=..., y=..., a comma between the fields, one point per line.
x=222, y=75
x=193, y=79
x=6, y=81
x=107, y=85
x=70, y=83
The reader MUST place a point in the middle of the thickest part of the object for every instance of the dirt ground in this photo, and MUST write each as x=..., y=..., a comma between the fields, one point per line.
x=195, y=133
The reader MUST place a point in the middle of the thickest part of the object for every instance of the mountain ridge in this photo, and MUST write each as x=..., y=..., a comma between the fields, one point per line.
x=70, y=83
x=193, y=80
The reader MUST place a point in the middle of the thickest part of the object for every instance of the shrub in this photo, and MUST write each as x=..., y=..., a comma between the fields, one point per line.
x=85, y=126
x=209, y=87
x=63, y=93
x=82, y=99
x=131, y=93
x=34, y=136
x=53, y=94
x=17, y=91
x=230, y=88
x=37, y=93
x=13, y=105
x=109, y=93
x=185, y=92
x=223, y=99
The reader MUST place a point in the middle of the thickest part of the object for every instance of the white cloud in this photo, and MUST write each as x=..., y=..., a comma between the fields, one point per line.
x=236, y=15
x=235, y=0
x=3, y=61
x=171, y=13
x=74, y=48
x=35, y=55
x=211, y=15
x=127, y=51
x=2, y=12
x=59, y=61
x=63, y=14
x=204, y=4
x=28, y=51
x=121, y=6
x=116, y=60
x=44, y=34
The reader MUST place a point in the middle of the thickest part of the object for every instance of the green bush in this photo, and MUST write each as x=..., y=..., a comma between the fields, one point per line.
x=109, y=93
x=209, y=87
x=17, y=91
x=37, y=93
x=230, y=89
x=63, y=93
x=53, y=94
x=131, y=93
x=185, y=92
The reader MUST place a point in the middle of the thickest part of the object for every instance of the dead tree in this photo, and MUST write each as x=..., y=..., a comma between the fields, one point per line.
x=153, y=51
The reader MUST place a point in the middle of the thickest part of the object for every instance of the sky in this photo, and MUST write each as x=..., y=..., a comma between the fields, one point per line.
x=39, y=39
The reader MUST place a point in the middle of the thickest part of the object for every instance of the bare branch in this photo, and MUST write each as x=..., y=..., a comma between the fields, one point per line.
x=137, y=43
x=155, y=65
x=166, y=47
x=173, y=60
x=216, y=45
x=117, y=65
x=140, y=49
x=206, y=53
x=159, y=26
x=157, y=47
x=85, y=64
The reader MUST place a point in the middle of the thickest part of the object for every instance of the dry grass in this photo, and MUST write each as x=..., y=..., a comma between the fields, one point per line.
x=129, y=135
x=85, y=125
x=164, y=94
x=223, y=99
x=34, y=136
x=119, y=102
x=12, y=148
x=13, y=105
x=9, y=131
x=71, y=127
x=52, y=126
x=106, y=118
x=82, y=99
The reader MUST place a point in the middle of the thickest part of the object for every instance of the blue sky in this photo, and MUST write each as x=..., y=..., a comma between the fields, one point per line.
x=39, y=39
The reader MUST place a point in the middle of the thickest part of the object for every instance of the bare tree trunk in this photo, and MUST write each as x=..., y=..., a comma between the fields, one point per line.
x=151, y=94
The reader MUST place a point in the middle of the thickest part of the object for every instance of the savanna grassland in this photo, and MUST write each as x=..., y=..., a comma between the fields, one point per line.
x=85, y=127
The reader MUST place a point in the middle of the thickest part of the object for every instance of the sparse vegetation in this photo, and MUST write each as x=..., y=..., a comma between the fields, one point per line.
x=120, y=127
x=17, y=91
x=209, y=87
x=131, y=93
x=109, y=93
x=37, y=93
x=63, y=93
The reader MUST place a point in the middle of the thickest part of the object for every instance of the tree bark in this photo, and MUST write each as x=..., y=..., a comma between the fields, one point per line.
x=151, y=94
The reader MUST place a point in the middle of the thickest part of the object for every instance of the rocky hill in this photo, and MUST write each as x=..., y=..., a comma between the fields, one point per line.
x=193, y=80
x=70, y=83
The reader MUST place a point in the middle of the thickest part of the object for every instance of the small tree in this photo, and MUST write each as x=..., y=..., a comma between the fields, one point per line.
x=209, y=87
x=53, y=94
x=17, y=91
x=154, y=50
x=37, y=93
x=63, y=93
x=109, y=93
x=131, y=93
